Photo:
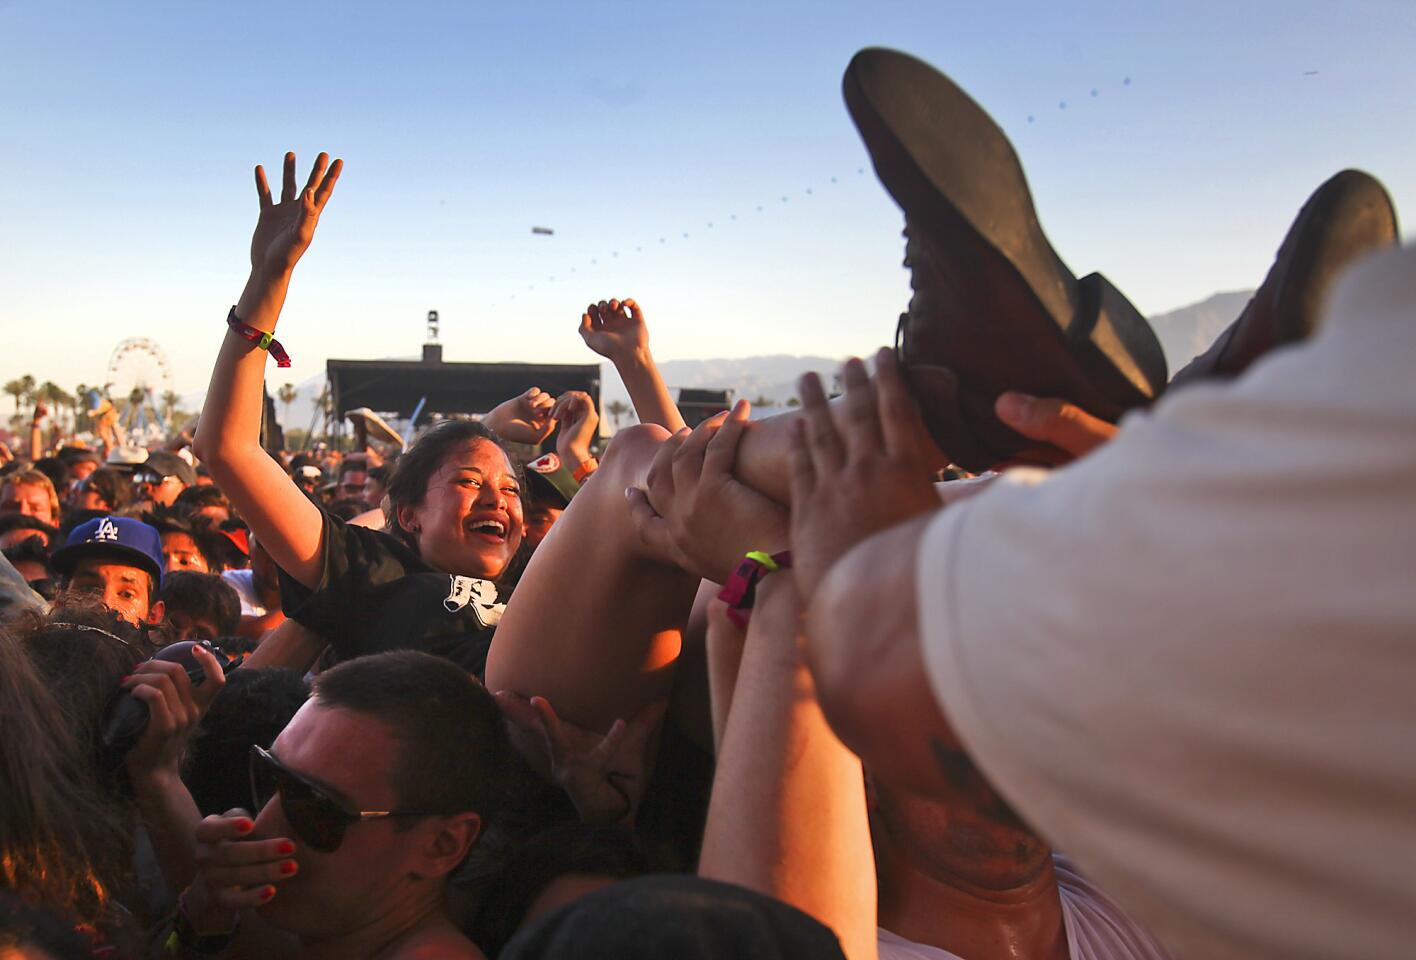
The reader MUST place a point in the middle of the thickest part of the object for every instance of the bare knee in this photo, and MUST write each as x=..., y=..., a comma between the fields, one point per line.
x=632, y=451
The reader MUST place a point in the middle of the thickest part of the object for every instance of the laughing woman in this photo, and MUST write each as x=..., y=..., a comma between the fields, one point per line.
x=454, y=499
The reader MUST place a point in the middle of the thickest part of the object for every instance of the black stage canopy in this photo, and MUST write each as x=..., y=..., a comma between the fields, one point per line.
x=398, y=386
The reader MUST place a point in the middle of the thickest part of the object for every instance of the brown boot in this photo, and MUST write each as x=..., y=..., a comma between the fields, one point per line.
x=994, y=307
x=1348, y=216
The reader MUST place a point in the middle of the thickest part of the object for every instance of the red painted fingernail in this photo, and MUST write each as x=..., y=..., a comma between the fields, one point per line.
x=287, y=847
x=267, y=893
x=288, y=867
x=125, y=679
x=245, y=826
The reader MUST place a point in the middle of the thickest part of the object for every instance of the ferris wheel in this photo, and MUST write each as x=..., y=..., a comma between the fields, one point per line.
x=139, y=379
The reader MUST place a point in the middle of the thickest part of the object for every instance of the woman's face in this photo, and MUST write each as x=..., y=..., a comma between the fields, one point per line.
x=470, y=521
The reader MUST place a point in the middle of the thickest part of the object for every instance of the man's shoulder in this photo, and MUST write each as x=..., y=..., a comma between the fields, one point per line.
x=438, y=943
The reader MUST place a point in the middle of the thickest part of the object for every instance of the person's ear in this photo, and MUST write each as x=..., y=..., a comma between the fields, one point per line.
x=407, y=517
x=447, y=842
x=156, y=612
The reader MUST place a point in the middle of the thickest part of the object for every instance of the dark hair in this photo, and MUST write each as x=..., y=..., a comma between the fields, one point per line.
x=530, y=867
x=24, y=924
x=55, y=469
x=194, y=498
x=19, y=521
x=83, y=649
x=408, y=483
x=383, y=471
x=66, y=834
x=114, y=486
x=167, y=520
x=253, y=707
x=31, y=550
x=202, y=596
x=75, y=517
x=456, y=756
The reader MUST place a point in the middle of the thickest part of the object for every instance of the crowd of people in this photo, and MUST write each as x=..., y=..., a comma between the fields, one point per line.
x=957, y=664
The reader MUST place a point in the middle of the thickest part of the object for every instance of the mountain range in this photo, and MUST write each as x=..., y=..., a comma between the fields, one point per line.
x=1183, y=333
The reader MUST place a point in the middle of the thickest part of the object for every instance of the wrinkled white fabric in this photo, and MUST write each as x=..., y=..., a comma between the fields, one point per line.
x=1189, y=659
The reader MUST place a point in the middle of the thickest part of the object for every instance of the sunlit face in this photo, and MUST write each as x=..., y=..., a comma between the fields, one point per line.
x=179, y=552
x=215, y=512
x=88, y=498
x=161, y=490
x=29, y=499
x=539, y=520
x=374, y=491
x=123, y=588
x=351, y=484
x=79, y=470
x=470, y=521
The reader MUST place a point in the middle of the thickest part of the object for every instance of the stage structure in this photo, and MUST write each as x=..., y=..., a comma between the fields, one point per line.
x=420, y=390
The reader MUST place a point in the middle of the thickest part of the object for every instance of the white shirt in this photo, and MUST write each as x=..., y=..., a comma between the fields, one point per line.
x=1189, y=659
x=1097, y=929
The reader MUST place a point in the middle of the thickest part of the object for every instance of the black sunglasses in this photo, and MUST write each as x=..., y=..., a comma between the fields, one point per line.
x=317, y=819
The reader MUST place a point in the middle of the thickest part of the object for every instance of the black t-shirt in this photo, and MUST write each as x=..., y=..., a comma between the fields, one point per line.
x=376, y=594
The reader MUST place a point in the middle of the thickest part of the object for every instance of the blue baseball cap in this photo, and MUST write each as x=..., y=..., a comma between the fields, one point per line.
x=117, y=539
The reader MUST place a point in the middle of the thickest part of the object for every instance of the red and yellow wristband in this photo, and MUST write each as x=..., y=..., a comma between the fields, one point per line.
x=740, y=592
x=262, y=340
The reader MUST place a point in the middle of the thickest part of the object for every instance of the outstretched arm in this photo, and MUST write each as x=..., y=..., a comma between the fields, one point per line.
x=787, y=817
x=617, y=332
x=228, y=435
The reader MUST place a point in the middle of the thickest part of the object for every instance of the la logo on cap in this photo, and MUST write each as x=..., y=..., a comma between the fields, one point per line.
x=107, y=530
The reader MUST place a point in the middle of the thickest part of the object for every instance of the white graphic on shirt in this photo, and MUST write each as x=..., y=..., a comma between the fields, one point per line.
x=107, y=530
x=481, y=594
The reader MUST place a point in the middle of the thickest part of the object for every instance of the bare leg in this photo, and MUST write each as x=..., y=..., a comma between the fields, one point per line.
x=594, y=625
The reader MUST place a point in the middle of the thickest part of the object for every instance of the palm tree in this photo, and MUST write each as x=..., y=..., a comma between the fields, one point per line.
x=617, y=409
x=764, y=401
x=16, y=389
x=169, y=405
x=287, y=395
x=57, y=399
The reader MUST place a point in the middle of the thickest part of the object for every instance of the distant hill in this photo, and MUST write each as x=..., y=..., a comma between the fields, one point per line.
x=1188, y=331
x=1183, y=333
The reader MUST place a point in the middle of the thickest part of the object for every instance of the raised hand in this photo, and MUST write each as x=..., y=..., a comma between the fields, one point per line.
x=285, y=229
x=234, y=870
x=851, y=482
x=526, y=418
x=175, y=707
x=604, y=776
x=575, y=412
x=615, y=330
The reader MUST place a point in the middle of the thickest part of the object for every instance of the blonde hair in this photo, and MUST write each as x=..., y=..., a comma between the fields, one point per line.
x=35, y=478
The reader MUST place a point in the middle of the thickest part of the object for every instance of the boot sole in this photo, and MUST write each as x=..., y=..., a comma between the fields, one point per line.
x=1029, y=324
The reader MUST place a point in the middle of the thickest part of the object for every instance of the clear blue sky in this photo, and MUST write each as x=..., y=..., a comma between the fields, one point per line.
x=131, y=129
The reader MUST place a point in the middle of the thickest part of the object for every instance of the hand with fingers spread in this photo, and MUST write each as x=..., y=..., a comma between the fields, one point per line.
x=234, y=871
x=692, y=509
x=604, y=776
x=615, y=330
x=856, y=480
x=525, y=418
x=175, y=707
x=580, y=422
x=285, y=229
x=1065, y=429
